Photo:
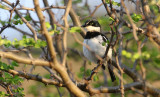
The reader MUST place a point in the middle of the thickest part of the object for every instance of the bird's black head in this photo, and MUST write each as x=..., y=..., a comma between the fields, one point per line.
x=93, y=23
x=92, y=26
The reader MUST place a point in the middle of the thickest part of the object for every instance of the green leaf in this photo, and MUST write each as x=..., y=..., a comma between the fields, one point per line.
x=28, y=18
x=16, y=17
x=145, y=55
x=47, y=25
x=104, y=43
x=16, y=43
x=15, y=22
x=96, y=78
x=48, y=76
x=88, y=72
x=80, y=74
x=136, y=17
x=7, y=75
x=3, y=66
x=136, y=56
x=10, y=67
x=24, y=36
x=82, y=69
x=2, y=94
x=113, y=2
x=111, y=19
x=2, y=42
x=126, y=54
x=20, y=21
x=75, y=29
x=2, y=79
x=14, y=63
x=7, y=43
x=116, y=3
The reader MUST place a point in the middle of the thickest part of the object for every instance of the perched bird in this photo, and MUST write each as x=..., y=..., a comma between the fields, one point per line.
x=97, y=42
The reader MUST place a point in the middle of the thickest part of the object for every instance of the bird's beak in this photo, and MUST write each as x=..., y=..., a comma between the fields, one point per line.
x=83, y=25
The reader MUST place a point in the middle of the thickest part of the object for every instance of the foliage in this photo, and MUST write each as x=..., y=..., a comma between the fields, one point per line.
x=11, y=80
x=136, y=17
x=75, y=29
x=25, y=42
x=113, y=2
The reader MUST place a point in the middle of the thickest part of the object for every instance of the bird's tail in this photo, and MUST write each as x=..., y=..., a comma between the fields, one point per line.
x=110, y=69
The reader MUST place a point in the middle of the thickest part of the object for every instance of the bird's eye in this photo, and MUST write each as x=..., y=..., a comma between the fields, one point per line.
x=87, y=23
x=91, y=23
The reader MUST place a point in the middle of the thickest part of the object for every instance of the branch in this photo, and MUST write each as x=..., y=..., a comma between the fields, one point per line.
x=20, y=59
x=115, y=89
x=131, y=21
x=43, y=9
x=59, y=68
x=35, y=77
x=23, y=19
x=64, y=40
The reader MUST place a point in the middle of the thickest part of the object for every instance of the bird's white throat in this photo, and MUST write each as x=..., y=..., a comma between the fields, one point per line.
x=92, y=29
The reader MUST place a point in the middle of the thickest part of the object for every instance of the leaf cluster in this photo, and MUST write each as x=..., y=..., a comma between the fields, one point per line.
x=25, y=42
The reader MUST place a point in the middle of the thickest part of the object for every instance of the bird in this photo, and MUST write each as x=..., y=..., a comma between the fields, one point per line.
x=97, y=43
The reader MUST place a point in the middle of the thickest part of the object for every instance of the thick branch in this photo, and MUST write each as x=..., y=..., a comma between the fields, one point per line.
x=24, y=60
x=59, y=68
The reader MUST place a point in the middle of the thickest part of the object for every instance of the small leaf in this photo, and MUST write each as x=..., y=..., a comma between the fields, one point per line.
x=47, y=25
x=136, y=56
x=124, y=52
x=136, y=17
x=28, y=18
x=96, y=78
x=7, y=43
x=111, y=19
x=80, y=75
x=14, y=63
x=116, y=3
x=82, y=69
x=24, y=37
x=20, y=21
x=16, y=17
x=88, y=72
x=104, y=43
x=75, y=29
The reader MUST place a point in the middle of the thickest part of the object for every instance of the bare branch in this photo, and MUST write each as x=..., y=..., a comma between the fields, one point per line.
x=20, y=59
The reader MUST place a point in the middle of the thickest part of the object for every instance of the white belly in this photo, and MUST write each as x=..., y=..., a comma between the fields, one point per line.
x=97, y=48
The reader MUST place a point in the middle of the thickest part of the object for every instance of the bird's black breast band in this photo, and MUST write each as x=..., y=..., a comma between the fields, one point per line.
x=90, y=35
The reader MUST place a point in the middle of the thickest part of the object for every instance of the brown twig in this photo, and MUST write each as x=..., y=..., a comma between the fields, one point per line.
x=11, y=11
x=43, y=9
x=64, y=41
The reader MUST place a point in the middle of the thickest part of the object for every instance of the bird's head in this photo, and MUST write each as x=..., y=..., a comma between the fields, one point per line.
x=92, y=25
